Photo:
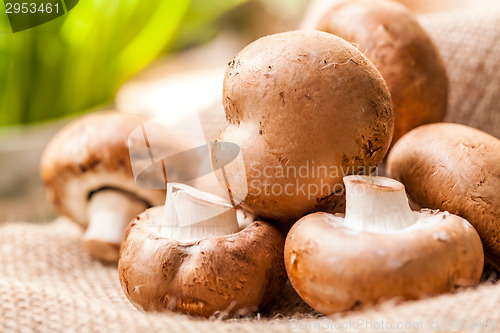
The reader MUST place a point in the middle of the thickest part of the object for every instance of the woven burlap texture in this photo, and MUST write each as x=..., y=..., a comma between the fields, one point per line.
x=469, y=43
x=48, y=284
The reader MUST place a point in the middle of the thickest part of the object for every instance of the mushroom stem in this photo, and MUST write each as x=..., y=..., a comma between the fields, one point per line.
x=377, y=204
x=109, y=212
x=192, y=215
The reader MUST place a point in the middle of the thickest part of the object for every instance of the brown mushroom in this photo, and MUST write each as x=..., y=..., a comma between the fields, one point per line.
x=381, y=250
x=455, y=168
x=87, y=173
x=402, y=51
x=191, y=256
x=306, y=108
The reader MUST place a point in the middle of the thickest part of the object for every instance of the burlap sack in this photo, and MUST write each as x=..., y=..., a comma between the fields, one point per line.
x=48, y=284
x=469, y=42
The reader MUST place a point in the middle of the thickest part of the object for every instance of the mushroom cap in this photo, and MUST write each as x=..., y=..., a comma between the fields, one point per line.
x=88, y=155
x=303, y=100
x=334, y=268
x=455, y=168
x=232, y=273
x=402, y=51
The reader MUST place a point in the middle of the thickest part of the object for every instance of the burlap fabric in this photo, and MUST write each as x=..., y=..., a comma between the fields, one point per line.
x=469, y=42
x=48, y=284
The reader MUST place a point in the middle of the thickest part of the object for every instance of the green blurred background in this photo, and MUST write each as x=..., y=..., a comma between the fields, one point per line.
x=78, y=61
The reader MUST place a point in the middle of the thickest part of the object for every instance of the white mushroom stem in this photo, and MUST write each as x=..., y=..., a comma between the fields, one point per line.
x=192, y=215
x=109, y=213
x=377, y=204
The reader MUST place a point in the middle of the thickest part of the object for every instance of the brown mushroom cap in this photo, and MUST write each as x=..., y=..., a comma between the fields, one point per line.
x=241, y=271
x=403, y=53
x=334, y=268
x=455, y=168
x=88, y=155
x=303, y=100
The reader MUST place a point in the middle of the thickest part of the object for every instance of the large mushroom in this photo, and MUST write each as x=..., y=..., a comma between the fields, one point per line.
x=306, y=108
x=402, y=51
x=87, y=173
x=455, y=168
x=381, y=250
x=192, y=256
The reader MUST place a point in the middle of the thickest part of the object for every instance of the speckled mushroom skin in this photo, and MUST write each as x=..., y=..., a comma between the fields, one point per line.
x=455, y=168
x=89, y=154
x=335, y=269
x=303, y=99
x=403, y=53
x=233, y=273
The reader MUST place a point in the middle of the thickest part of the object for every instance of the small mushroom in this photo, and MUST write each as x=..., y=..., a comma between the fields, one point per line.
x=192, y=256
x=455, y=168
x=402, y=51
x=381, y=250
x=305, y=108
x=88, y=177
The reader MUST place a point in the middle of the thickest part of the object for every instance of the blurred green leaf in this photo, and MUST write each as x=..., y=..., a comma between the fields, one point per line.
x=198, y=24
x=78, y=61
